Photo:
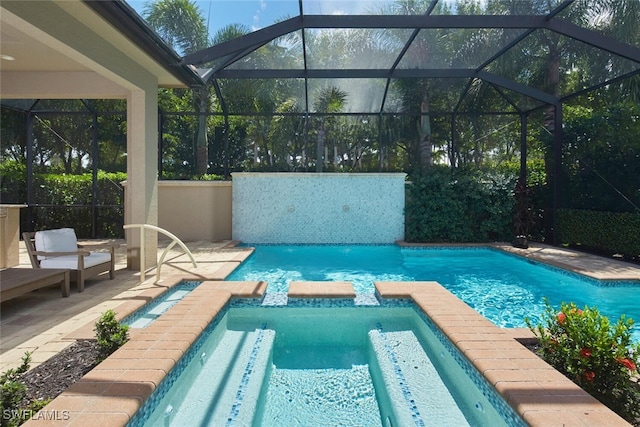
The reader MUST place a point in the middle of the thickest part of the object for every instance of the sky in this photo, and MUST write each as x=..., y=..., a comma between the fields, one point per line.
x=256, y=14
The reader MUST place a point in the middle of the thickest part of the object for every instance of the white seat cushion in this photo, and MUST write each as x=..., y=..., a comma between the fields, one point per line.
x=59, y=240
x=71, y=261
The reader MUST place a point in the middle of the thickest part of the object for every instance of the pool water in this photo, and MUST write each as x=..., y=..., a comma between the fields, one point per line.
x=504, y=288
x=149, y=312
x=320, y=366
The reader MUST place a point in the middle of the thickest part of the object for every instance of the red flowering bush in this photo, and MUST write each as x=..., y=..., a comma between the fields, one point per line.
x=597, y=355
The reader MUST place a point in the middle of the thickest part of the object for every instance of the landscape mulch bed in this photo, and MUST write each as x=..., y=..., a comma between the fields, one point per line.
x=48, y=380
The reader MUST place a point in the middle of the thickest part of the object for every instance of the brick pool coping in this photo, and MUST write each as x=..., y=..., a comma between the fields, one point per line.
x=114, y=390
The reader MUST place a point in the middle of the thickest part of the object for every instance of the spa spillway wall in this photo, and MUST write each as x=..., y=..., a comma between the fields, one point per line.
x=320, y=208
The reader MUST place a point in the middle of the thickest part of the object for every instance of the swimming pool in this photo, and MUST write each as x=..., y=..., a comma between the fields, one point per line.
x=324, y=365
x=502, y=287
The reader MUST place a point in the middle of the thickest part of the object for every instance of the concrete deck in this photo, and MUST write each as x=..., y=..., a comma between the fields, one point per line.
x=45, y=323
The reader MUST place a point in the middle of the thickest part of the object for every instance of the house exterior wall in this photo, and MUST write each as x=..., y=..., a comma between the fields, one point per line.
x=195, y=210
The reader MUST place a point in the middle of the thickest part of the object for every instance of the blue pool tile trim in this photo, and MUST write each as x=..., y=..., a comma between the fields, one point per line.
x=244, y=302
x=253, y=245
x=402, y=381
x=320, y=302
x=246, y=375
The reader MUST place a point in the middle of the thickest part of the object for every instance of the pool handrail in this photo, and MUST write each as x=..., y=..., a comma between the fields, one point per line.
x=173, y=237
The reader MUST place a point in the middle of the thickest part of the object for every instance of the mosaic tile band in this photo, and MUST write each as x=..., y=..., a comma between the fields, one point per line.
x=402, y=381
x=318, y=207
x=248, y=370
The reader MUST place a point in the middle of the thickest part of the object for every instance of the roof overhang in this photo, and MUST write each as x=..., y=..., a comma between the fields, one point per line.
x=102, y=42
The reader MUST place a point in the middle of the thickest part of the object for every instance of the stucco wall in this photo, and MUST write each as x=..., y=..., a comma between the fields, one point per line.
x=195, y=210
x=326, y=208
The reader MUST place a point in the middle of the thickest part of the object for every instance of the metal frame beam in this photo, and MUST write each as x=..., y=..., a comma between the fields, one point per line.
x=258, y=38
x=345, y=73
x=594, y=39
x=248, y=42
x=242, y=46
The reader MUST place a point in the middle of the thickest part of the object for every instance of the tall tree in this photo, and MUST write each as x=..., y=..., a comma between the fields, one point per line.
x=428, y=49
x=181, y=24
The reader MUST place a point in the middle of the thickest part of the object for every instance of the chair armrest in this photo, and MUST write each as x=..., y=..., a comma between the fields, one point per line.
x=56, y=254
x=92, y=246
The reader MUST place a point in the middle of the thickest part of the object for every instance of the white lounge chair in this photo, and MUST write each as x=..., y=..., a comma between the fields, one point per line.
x=59, y=248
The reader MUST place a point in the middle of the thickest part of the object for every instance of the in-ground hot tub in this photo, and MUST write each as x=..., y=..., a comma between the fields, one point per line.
x=325, y=362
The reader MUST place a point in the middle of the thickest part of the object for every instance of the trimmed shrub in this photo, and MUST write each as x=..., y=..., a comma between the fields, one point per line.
x=453, y=206
x=110, y=334
x=607, y=232
x=64, y=199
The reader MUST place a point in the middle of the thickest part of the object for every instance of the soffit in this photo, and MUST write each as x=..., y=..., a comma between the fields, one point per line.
x=36, y=50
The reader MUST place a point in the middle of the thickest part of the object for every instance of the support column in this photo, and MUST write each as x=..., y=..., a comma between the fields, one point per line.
x=557, y=170
x=453, y=161
x=95, y=159
x=141, y=196
x=30, y=192
x=523, y=147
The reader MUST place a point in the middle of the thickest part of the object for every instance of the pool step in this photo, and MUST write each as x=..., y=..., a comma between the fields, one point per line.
x=152, y=311
x=226, y=397
x=419, y=396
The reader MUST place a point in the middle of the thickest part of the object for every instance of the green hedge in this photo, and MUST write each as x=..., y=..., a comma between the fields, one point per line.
x=72, y=194
x=64, y=200
x=606, y=232
x=456, y=206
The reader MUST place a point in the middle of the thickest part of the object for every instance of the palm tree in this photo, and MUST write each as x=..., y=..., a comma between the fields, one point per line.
x=330, y=100
x=181, y=24
x=418, y=95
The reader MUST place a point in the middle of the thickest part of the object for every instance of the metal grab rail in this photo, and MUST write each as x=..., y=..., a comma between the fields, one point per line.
x=174, y=238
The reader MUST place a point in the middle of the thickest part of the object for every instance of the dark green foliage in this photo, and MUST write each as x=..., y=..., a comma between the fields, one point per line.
x=207, y=177
x=73, y=195
x=14, y=407
x=601, y=158
x=13, y=182
x=110, y=334
x=609, y=232
x=449, y=205
x=65, y=200
x=13, y=393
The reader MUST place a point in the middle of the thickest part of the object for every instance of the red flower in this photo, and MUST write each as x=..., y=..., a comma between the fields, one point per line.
x=561, y=317
x=589, y=375
x=627, y=363
x=576, y=310
x=585, y=352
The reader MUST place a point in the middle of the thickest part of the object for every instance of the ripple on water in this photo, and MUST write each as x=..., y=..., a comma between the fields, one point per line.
x=303, y=397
